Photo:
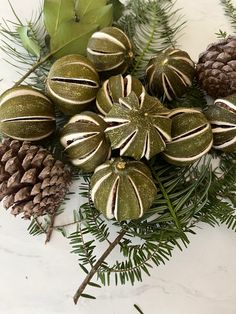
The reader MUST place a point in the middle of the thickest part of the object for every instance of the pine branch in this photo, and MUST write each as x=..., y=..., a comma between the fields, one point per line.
x=230, y=11
x=154, y=26
x=95, y=268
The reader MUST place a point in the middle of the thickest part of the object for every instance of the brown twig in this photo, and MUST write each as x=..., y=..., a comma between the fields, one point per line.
x=33, y=68
x=67, y=224
x=50, y=227
x=95, y=268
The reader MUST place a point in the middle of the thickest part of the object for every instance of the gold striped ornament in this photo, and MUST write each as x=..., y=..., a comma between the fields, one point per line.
x=222, y=116
x=72, y=83
x=170, y=73
x=110, y=50
x=85, y=141
x=139, y=127
x=122, y=189
x=26, y=114
x=114, y=88
x=191, y=137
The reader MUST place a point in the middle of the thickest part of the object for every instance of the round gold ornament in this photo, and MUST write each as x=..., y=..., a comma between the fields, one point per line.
x=26, y=114
x=72, y=83
x=84, y=140
x=222, y=116
x=110, y=50
x=139, y=127
x=122, y=189
x=191, y=137
x=170, y=73
x=114, y=88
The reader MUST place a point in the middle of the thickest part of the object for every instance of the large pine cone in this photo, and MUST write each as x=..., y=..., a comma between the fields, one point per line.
x=216, y=68
x=32, y=182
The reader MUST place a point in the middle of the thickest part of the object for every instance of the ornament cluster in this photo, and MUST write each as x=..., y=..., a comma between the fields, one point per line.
x=116, y=122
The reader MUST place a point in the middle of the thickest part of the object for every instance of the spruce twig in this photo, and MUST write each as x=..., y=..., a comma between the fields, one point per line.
x=95, y=268
x=230, y=11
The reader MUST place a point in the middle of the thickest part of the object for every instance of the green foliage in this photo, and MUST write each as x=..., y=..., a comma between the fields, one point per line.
x=118, y=9
x=82, y=7
x=62, y=43
x=222, y=196
x=194, y=97
x=71, y=23
x=30, y=45
x=20, y=59
x=184, y=192
x=153, y=26
x=138, y=309
x=56, y=13
x=230, y=11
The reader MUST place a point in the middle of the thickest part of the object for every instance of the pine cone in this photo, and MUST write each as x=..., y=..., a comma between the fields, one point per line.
x=32, y=182
x=216, y=68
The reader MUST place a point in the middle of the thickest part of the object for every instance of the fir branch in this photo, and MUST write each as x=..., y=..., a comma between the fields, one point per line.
x=153, y=25
x=17, y=55
x=95, y=268
x=230, y=11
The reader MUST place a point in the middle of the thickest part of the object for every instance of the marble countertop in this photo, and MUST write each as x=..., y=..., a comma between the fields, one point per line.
x=39, y=279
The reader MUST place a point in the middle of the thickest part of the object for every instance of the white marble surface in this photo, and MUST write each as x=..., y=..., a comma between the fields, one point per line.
x=39, y=279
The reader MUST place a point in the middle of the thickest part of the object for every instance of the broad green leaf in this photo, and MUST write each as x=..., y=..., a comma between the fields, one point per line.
x=56, y=12
x=84, y=6
x=103, y=16
x=72, y=37
x=29, y=44
x=118, y=9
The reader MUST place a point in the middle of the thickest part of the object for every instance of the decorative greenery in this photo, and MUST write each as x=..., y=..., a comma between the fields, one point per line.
x=150, y=24
x=186, y=196
x=230, y=11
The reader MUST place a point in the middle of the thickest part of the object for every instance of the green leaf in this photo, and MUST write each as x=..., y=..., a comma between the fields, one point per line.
x=72, y=37
x=29, y=44
x=103, y=16
x=84, y=6
x=56, y=12
x=118, y=9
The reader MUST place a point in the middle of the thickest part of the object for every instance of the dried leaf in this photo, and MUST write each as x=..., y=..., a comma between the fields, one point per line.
x=72, y=37
x=103, y=16
x=56, y=12
x=29, y=44
x=84, y=6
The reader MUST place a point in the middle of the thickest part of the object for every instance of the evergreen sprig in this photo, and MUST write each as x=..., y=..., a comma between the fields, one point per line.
x=186, y=196
x=153, y=26
x=21, y=59
x=230, y=11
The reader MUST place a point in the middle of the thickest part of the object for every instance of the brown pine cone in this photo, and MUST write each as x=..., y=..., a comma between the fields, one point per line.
x=32, y=182
x=216, y=68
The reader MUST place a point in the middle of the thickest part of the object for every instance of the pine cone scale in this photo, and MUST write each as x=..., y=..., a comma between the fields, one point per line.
x=216, y=68
x=32, y=182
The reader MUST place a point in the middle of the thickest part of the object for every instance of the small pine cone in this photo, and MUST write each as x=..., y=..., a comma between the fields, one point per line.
x=32, y=182
x=216, y=68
